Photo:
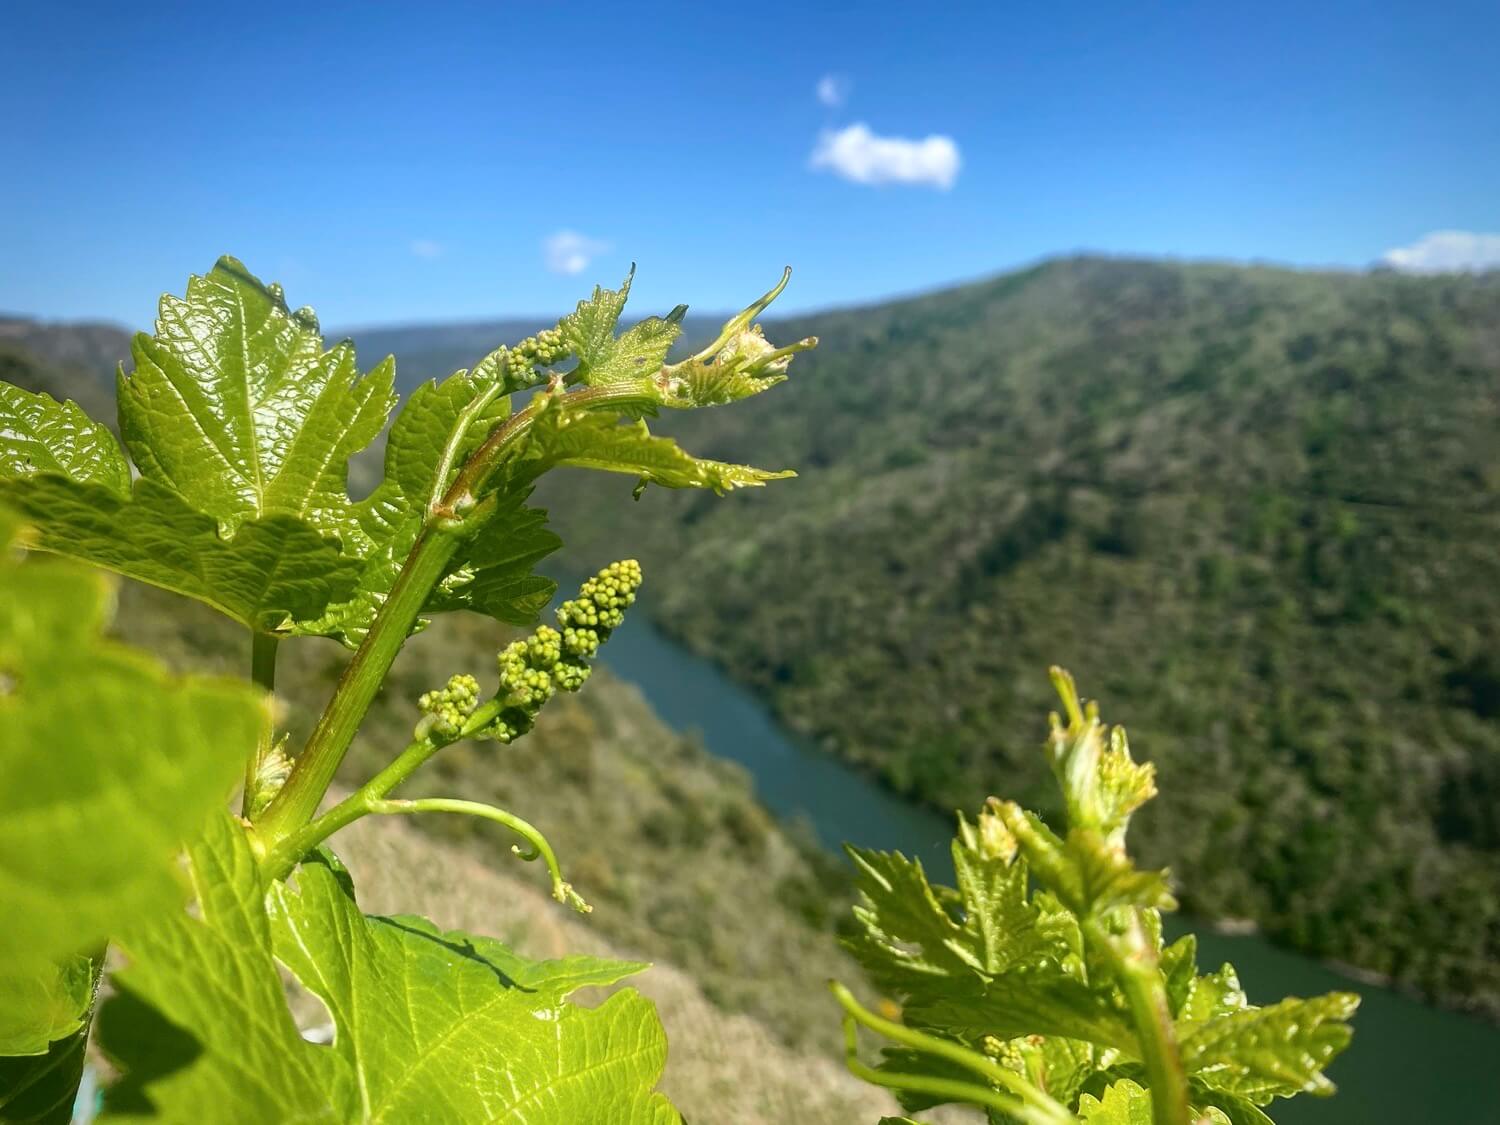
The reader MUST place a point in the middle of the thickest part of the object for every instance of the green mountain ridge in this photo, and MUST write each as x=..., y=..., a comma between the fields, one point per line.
x=65, y=359
x=1258, y=507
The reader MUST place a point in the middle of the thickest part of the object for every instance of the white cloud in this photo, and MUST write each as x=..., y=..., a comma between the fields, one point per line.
x=833, y=90
x=426, y=248
x=1447, y=251
x=569, y=252
x=858, y=154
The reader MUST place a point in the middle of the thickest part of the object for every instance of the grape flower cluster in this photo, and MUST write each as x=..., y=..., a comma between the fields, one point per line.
x=536, y=667
x=521, y=360
x=447, y=708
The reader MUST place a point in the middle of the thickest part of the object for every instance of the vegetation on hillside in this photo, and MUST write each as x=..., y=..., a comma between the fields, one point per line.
x=37, y=360
x=1259, y=508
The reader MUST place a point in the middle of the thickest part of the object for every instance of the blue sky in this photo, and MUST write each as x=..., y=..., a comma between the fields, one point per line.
x=409, y=162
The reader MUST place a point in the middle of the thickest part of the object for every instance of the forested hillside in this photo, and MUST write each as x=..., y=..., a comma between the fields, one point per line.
x=1258, y=508
x=66, y=360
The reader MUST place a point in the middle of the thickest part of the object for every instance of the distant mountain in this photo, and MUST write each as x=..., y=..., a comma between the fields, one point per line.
x=68, y=360
x=90, y=346
x=1256, y=511
x=431, y=351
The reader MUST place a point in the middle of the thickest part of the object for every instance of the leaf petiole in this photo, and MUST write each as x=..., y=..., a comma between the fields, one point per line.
x=1020, y=1100
x=263, y=648
x=298, y=800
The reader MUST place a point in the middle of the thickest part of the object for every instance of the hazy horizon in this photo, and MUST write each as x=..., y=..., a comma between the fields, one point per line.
x=785, y=309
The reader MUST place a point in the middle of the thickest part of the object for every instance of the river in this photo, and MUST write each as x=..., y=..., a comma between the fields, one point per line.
x=1409, y=1063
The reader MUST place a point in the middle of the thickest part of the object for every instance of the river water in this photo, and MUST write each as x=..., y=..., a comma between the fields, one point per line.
x=1409, y=1063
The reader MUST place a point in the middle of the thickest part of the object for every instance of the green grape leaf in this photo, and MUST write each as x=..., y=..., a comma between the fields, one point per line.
x=589, y=330
x=1179, y=968
x=199, y=1023
x=1124, y=784
x=235, y=405
x=638, y=353
x=1232, y=1109
x=1088, y=873
x=495, y=576
x=106, y=764
x=905, y=935
x=1035, y=1002
x=44, y=1029
x=1277, y=1051
x=1007, y=969
x=1108, y=880
x=590, y=440
x=70, y=480
x=38, y=434
x=738, y=364
x=274, y=572
x=725, y=377
x=1000, y=924
x=439, y=426
x=1102, y=785
x=1066, y=985
x=446, y=1026
x=428, y=1025
x=45, y=1000
x=1214, y=995
x=41, y=1089
x=1061, y=1066
x=1124, y=1103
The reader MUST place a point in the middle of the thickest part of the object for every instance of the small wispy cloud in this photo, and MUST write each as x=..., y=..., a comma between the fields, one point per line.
x=858, y=154
x=426, y=248
x=833, y=90
x=569, y=252
x=1447, y=251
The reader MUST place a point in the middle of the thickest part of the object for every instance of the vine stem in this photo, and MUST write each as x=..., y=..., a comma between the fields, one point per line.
x=263, y=648
x=285, y=853
x=488, y=457
x=299, y=798
x=1020, y=1100
x=1132, y=957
